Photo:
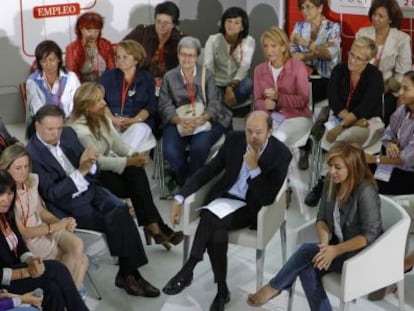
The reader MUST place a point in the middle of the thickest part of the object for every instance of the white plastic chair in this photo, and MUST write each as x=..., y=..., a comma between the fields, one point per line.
x=269, y=219
x=377, y=266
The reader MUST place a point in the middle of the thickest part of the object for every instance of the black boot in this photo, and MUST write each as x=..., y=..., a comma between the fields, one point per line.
x=315, y=194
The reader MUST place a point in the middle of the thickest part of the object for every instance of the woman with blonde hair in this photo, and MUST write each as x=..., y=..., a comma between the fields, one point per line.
x=130, y=97
x=45, y=235
x=281, y=88
x=355, y=99
x=122, y=169
x=348, y=220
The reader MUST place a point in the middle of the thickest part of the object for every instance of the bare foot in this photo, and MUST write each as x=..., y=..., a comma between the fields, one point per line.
x=264, y=294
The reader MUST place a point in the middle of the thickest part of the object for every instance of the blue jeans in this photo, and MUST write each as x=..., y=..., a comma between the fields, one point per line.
x=242, y=91
x=175, y=149
x=300, y=264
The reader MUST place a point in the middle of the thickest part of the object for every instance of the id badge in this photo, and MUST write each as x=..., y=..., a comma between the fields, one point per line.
x=383, y=172
x=332, y=123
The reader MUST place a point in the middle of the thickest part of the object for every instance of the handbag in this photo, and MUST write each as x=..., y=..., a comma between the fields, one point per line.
x=189, y=111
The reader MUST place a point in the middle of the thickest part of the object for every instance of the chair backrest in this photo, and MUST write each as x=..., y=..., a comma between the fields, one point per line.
x=381, y=263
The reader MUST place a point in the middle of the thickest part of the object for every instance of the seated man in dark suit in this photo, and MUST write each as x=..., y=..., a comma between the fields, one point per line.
x=66, y=184
x=255, y=165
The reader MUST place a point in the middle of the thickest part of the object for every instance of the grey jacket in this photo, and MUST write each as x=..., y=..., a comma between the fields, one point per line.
x=173, y=94
x=360, y=214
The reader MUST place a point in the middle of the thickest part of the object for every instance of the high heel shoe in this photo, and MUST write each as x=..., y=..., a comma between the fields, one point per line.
x=159, y=238
x=174, y=237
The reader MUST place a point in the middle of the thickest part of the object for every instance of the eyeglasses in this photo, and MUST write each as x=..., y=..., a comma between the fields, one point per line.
x=356, y=58
x=307, y=7
x=185, y=55
x=163, y=23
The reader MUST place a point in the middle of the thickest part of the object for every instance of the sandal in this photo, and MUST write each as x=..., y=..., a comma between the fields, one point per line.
x=262, y=296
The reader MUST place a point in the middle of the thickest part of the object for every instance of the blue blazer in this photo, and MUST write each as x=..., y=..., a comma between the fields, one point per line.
x=55, y=187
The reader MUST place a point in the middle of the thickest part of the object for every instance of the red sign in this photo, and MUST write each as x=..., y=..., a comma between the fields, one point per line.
x=46, y=11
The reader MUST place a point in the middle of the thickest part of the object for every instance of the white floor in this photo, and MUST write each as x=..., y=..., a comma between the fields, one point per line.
x=241, y=269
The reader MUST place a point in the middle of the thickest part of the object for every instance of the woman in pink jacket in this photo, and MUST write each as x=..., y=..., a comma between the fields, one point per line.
x=281, y=88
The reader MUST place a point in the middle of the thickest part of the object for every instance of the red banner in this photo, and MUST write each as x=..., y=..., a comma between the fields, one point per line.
x=56, y=10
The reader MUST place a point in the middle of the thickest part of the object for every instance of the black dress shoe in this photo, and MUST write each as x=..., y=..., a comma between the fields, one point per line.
x=219, y=302
x=178, y=283
x=315, y=194
x=136, y=287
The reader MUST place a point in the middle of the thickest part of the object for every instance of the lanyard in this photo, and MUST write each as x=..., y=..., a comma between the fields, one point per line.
x=378, y=57
x=160, y=53
x=3, y=142
x=351, y=92
x=18, y=199
x=125, y=88
x=190, y=87
x=240, y=45
x=56, y=99
x=90, y=59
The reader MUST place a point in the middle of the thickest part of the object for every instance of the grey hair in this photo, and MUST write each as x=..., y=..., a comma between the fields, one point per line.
x=189, y=43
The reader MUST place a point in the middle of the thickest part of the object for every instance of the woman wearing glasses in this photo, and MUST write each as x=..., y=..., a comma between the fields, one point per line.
x=50, y=84
x=393, y=57
x=185, y=85
x=129, y=94
x=317, y=42
x=355, y=96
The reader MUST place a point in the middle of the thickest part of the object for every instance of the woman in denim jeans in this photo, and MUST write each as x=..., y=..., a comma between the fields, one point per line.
x=348, y=220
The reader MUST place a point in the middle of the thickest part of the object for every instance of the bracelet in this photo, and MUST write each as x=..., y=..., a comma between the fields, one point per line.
x=50, y=229
x=378, y=159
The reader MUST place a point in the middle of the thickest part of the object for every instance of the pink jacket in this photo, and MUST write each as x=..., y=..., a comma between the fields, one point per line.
x=293, y=88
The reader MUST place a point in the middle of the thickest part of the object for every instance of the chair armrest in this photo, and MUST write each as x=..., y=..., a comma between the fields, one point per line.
x=378, y=265
x=271, y=217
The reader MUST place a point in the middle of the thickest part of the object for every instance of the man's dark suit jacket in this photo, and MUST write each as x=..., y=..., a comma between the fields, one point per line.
x=55, y=187
x=262, y=189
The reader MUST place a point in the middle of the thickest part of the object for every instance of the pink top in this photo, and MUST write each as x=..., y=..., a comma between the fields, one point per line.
x=293, y=88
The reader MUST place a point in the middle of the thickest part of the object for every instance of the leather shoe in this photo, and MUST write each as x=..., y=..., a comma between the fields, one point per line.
x=219, y=302
x=178, y=283
x=315, y=194
x=136, y=286
x=303, y=162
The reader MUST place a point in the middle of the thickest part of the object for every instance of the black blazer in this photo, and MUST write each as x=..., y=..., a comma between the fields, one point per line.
x=262, y=189
x=9, y=258
x=55, y=187
x=366, y=100
x=8, y=139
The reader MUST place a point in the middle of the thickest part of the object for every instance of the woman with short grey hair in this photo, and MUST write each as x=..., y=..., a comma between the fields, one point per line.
x=192, y=88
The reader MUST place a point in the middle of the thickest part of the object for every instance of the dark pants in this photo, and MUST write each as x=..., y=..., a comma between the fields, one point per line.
x=98, y=209
x=213, y=235
x=300, y=264
x=59, y=291
x=401, y=182
x=390, y=104
x=175, y=149
x=319, y=89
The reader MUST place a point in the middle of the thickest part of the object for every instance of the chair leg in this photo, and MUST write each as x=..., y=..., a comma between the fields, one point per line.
x=98, y=294
x=401, y=298
x=343, y=306
x=283, y=240
x=259, y=267
x=291, y=295
x=186, y=248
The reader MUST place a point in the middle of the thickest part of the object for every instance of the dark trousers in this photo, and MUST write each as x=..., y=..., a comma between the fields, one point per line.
x=133, y=183
x=401, y=182
x=59, y=291
x=98, y=209
x=390, y=104
x=319, y=89
x=213, y=235
x=174, y=148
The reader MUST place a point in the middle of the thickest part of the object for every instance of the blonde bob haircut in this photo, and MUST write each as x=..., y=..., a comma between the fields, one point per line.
x=133, y=48
x=358, y=170
x=11, y=154
x=277, y=36
x=88, y=94
x=367, y=44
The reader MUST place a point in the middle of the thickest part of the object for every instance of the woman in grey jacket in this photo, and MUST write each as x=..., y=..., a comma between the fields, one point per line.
x=348, y=220
x=185, y=85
